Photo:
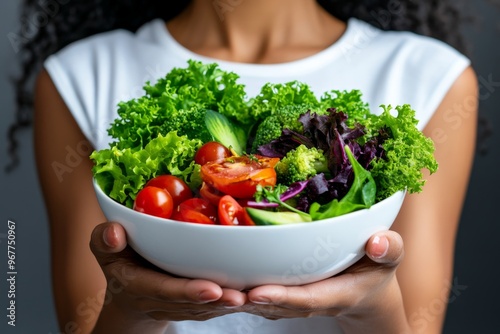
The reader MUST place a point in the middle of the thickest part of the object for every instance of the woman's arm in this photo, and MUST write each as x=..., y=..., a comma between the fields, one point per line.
x=134, y=293
x=428, y=222
x=369, y=296
x=64, y=172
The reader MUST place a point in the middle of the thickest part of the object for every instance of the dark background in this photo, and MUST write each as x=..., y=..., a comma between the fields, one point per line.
x=473, y=306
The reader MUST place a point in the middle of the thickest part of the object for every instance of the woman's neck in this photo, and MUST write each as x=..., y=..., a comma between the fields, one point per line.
x=255, y=31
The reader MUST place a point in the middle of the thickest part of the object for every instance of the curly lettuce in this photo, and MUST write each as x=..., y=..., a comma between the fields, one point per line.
x=160, y=132
x=406, y=153
x=349, y=102
x=178, y=102
x=121, y=173
x=273, y=97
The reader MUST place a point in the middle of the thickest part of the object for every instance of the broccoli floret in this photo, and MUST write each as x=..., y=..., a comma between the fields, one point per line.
x=300, y=164
x=189, y=122
x=286, y=117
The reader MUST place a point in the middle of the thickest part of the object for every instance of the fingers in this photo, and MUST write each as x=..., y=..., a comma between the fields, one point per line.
x=126, y=270
x=232, y=298
x=308, y=298
x=385, y=248
x=107, y=239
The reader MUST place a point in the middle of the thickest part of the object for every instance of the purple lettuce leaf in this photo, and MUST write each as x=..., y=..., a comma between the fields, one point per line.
x=289, y=140
x=331, y=134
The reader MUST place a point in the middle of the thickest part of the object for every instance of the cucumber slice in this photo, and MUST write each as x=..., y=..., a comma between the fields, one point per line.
x=263, y=217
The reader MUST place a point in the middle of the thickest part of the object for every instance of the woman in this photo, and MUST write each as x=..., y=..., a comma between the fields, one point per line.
x=278, y=41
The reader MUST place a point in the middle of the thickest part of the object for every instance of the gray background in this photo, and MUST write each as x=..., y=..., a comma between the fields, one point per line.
x=472, y=310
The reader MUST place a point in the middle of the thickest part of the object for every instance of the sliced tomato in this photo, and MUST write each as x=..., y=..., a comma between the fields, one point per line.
x=196, y=210
x=210, y=194
x=232, y=213
x=239, y=176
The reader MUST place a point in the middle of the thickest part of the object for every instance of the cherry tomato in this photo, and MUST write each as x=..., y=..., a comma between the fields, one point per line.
x=239, y=176
x=154, y=201
x=231, y=212
x=176, y=187
x=196, y=210
x=210, y=194
x=211, y=151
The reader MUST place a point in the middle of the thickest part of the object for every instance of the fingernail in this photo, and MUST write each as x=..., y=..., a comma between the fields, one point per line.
x=261, y=301
x=206, y=296
x=108, y=236
x=380, y=247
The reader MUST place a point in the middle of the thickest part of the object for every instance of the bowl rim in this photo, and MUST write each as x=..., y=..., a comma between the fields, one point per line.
x=399, y=195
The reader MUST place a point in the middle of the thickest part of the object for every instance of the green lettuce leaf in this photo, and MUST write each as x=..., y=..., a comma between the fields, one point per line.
x=275, y=96
x=349, y=102
x=178, y=102
x=121, y=173
x=407, y=153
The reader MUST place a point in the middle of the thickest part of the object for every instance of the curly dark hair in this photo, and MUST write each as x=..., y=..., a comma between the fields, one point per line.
x=49, y=26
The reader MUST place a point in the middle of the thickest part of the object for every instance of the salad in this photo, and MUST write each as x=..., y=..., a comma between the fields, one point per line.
x=196, y=148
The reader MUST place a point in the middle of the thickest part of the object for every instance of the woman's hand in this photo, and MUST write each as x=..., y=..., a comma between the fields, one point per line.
x=364, y=298
x=138, y=294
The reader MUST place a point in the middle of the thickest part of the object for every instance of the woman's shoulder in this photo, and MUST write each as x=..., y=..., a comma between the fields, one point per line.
x=405, y=44
x=400, y=67
x=110, y=44
x=93, y=74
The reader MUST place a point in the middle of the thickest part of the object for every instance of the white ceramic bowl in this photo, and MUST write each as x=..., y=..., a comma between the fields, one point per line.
x=242, y=257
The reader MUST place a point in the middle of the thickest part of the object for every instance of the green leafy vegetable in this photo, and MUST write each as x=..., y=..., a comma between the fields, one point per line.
x=160, y=132
x=361, y=195
x=206, y=86
x=349, y=102
x=286, y=117
x=178, y=102
x=407, y=152
x=275, y=96
x=121, y=173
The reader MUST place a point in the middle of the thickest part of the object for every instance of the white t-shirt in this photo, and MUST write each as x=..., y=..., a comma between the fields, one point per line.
x=94, y=74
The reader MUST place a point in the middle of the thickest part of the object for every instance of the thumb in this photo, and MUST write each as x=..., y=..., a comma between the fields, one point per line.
x=106, y=241
x=385, y=248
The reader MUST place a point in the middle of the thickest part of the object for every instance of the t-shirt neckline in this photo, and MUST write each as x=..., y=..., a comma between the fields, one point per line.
x=303, y=65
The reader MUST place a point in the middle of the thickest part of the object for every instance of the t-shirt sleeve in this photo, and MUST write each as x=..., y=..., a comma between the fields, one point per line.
x=92, y=75
x=69, y=87
x=414, y=70
x=449, y=65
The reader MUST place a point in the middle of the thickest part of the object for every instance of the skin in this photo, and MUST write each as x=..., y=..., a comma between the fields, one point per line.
x=381, y=293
